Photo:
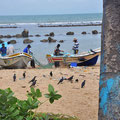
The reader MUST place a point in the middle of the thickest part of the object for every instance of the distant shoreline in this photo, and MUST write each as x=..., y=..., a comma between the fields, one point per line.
x=55, y=25
x=69, y=25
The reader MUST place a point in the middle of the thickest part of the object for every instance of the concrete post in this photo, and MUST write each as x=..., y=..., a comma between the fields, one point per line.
x=109, y=90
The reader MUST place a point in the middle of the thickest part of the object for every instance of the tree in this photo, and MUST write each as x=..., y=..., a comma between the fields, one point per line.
x=109, y=91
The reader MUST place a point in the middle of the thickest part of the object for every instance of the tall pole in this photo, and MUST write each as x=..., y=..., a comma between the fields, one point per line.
x=109, y=90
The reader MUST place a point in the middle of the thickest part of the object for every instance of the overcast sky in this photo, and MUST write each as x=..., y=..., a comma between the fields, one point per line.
x=41, y=7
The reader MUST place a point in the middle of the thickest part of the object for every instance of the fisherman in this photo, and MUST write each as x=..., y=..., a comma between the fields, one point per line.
x=57, y=50
x=3, y=50
x=76, y=46
x=27, y=50
x=10, y=49
x=57, y=53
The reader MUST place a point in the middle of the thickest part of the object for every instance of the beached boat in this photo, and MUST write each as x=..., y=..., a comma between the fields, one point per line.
x=83, y=59
x=18, y=60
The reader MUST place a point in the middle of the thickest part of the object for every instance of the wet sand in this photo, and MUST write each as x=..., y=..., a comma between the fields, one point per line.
x=75, y=101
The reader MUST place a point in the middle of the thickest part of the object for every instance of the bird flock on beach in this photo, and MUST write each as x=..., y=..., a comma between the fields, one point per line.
x=34, y=81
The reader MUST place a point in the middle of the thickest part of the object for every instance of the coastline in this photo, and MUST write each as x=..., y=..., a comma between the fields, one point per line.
x=75, y=100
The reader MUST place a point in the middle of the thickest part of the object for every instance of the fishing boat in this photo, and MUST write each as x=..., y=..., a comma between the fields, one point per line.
x=84, y=59
x=18, y=60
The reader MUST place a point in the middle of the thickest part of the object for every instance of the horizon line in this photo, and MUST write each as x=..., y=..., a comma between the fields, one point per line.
x=50, y=14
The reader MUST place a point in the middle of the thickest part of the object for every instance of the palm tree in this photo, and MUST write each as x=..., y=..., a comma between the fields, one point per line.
x=109, y=90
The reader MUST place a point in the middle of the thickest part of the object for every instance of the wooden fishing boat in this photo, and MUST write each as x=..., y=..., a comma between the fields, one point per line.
x=83, y=59
x=18, y=60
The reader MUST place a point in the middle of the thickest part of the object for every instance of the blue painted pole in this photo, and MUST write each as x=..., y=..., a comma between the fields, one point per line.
x=109, y=90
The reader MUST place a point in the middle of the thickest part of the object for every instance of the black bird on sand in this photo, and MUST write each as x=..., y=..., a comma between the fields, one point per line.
x=70, y=79
x=61, y=80
x=83, y=84
x=14, y=77
x=51, y=74
x=33, y=83
x=33, y=79
x=24, y=74
x=76, y=80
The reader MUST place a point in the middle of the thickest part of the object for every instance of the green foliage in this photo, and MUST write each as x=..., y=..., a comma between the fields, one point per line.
x=11, y=108
x=52, y=94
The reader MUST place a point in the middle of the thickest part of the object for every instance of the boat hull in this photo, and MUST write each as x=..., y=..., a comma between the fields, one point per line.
x=15, y=61
x=85, y=59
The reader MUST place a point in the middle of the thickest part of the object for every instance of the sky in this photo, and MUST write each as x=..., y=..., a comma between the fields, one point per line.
x=46, y=7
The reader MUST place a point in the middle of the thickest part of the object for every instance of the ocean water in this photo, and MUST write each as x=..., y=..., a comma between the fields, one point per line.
x=40, y=49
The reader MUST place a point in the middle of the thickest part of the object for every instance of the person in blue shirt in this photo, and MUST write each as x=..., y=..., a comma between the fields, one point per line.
x=3, y=50
x=27, y=49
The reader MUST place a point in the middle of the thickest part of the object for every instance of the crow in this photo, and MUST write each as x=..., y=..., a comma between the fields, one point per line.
x=24, y=74
x=70, y=79
x=33, y=79
x=93, y=51
x=83, y=84
x=44, y=76
x=33, y=83
x=14, y=77
x=61, y=80
x=51, y=74
x=76, y=80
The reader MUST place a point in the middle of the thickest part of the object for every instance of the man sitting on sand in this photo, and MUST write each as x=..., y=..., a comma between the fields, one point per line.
x=3, y=50
x=76, y=46
x=10, y=49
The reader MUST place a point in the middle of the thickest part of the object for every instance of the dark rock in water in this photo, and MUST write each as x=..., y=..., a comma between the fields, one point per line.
x=70, y=33
x=61, y=41
x=37, y=35
x=12, y=41
x=44, y=40
x=51, y=40
x=7, y=36
x=25, y=33
x=27, y=41
x=18, y=35
x=52, y=34
x=30, y=35
x=1, y=41
x=1, y=36
x=99, y=32
x=84, y=32
x=94, y=32
x=47, y=35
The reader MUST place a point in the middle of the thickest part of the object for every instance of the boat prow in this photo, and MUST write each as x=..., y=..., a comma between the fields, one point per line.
x=15, y=61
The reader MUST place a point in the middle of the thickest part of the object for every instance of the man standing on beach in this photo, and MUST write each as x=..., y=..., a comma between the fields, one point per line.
x=10, y=49
x=3, y=50
x=76, y=46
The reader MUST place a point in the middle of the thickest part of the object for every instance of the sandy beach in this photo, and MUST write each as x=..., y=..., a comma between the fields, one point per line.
x=75, y=101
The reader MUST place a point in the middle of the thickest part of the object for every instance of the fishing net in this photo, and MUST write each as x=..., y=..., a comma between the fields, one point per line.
x=42, y=66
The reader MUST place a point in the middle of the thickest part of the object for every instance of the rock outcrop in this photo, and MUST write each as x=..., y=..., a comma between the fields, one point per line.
x=70, y=33
x=1, y=41
x=27, y=41
x=25, y=33
x=12, y=41
x=94, y=32
x=83, y=33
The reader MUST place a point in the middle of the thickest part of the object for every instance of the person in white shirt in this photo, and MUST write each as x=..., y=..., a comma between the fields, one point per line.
x=10, y=49
x=76, y=46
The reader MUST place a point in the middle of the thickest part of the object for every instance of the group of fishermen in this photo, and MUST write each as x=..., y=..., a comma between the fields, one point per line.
x=57, y=51
x=9, y=50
